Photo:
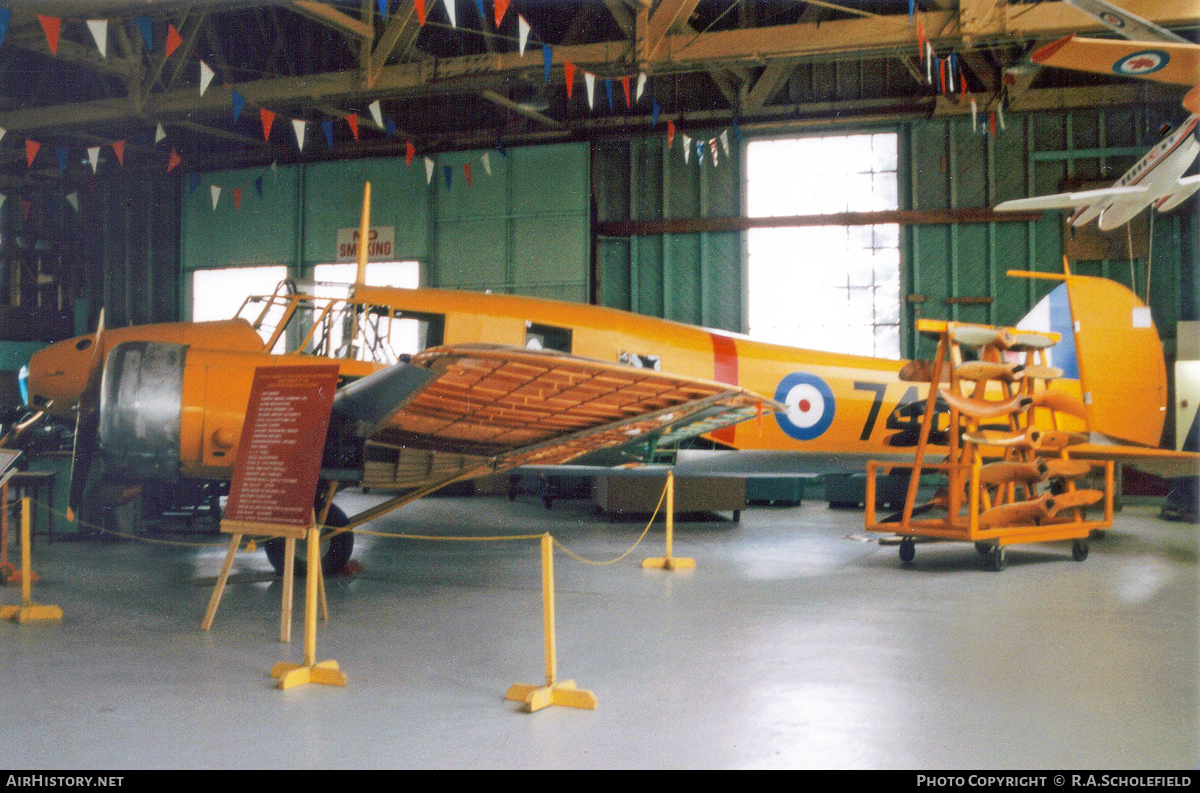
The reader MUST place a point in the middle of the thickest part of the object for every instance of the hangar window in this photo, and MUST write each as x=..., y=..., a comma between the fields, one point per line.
x=220, y=293
x=404, y=334
x=833, y=288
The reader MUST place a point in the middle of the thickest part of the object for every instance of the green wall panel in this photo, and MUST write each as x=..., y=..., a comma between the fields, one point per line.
x=263, y=231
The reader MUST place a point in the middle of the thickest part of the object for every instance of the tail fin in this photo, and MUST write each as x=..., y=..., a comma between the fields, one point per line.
x=1109, y=342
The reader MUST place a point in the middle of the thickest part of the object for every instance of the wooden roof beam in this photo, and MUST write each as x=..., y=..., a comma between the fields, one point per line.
x=399, y=34
x=356, y=29
x=772, y=77
x=667, y=16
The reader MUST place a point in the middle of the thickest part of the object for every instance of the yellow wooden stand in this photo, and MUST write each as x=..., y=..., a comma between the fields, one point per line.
x=326, y=672
x=28, y=611
x=555, y=692
x=669, y=562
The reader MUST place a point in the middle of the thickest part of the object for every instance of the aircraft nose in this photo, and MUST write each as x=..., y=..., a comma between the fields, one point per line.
x=58, y=373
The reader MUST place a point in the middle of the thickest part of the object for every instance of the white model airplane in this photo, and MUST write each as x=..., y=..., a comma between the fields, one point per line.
x=1157, y=179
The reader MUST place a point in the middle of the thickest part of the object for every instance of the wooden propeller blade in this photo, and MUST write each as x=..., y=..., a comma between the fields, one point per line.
x=990, y=370
x=1061, y=402
x=1027, y=342
x=1066, y=469
x=1043, y=372
x=1071, y=500
x=982, y=408
x=981, y=337
x=1012, y=471
x=1015, y=514
x=1026, y=439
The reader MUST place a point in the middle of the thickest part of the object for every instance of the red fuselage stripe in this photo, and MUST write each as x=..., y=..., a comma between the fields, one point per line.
x=725, y=370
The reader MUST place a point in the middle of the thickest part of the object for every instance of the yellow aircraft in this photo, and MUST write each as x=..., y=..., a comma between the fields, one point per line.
x=439, y=386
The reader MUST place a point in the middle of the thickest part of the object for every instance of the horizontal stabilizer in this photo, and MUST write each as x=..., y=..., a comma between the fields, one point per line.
x=1070, y=200
x=1187, y=186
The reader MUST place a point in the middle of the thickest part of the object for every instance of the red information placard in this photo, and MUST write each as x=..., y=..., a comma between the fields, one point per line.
x=279, y=454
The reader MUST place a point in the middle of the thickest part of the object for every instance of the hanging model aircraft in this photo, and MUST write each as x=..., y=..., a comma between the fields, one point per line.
x=1157, y=179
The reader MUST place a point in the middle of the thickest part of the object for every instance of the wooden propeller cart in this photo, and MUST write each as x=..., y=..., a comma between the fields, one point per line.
x=1009, y=479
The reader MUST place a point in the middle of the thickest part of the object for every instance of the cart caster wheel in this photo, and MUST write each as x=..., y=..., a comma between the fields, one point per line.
x=908, y=550
x=984, y=548
x=1079, y=550
x=999, y=559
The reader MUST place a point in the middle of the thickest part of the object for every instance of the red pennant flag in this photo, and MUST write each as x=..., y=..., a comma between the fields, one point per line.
x=962, y=80
x=352, y=120
x=51, y=25
x=31, y=150
x=920, y=39
x=119, y=150
x=501, y=10
x=467, y=171
x=26, y=205
x=173, y=161
x=268, y=118
x=409, y=152
x=421, y=12
x=625, y=86
x=173, y=40
x=942, y=74
x=237, y=198
x=992, y=124
x=569, y=72
x=670, y=133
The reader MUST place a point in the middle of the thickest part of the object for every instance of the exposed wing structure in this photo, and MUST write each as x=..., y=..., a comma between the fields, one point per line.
x=1165, y=62
x=1071, y=200
x=490, y=408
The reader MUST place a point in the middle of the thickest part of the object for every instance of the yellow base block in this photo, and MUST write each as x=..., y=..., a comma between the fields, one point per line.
x=292, y=675
x=561, y=693
x=669, y=563
x=31, y=613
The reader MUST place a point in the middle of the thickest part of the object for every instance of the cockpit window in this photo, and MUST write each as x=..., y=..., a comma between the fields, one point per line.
x=547, y=337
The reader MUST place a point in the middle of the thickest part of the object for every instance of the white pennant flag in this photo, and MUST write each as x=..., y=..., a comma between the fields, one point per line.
x=928, y=63
x=159, y=133
x=589, y=80
x=522, y=33
x=2, y=131
x=450, y=11
x=428, y=170
x=2, y=197
x=687, y=148
x=99, y=28
x=73, y=200
x=487, y=163
x=950, y=74
x=298, y=126
x=376, y=113
x=1000, y=115
x=641, y=86
x=974, y=116
x=94, y=157
x=712, y=146
x=216, y=193
x=206, y=76
x=725, y=142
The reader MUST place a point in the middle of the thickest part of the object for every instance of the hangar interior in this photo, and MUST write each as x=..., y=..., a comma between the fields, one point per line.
x=164, y=160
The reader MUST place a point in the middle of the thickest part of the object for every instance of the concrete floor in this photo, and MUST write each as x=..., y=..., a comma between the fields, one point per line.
x=793, y=644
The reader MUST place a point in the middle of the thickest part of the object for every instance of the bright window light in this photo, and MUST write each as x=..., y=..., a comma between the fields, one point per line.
x=833, y=288
x=405, y=335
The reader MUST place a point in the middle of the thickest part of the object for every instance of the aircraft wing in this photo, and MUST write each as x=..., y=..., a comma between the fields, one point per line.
x=1166, y=463
x=487, y=408
x=1173, y=62
x=1071, y=200
x=1121, y=21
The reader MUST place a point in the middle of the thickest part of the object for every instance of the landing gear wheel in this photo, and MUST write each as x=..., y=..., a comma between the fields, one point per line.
x=908, y=550
x=984, y=548
x=1079, y=550
x=999, y=559
x=335, y=551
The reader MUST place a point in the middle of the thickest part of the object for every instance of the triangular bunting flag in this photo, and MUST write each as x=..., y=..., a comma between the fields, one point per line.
x=737, y=131
x=352, y=120
x=712, y=146
x=268, y=118
x=589, y=80
x=700, y=152
x=206, y=76
x=608, y=88
x=146, y=25
x=73, y=200
x=383, y=8
x=99, y=28
x=641, y=86
x=482, y=15
x=5, y=16
x=1000, y=115
x=991, y=130
x=428, y=170
x=920, y=39
x=376, y=113
x=687, y=150
x=2, y=131
x=409, y=152
x=391, y=126
x=159, y=133
x=523, y=36
x=238, y=102
x=569, y=76
x=143, y=140
x=421, y=12
x=193, y=183
x=974, y=115
x=654, y=112
x=725, y=142
x=448, y=173
x=258, y=182
x=487, y=163
x=173, y=161
x=216, y=195
x=61, y=153
x=31, y=150
x=671, y=135
x=547, y=60
x=119, y=150
x=501, y=7
x=173, y=40
x=625, y=88
x=93, y=153
x=327, y=128
x=298, y=128
x=2, y=197
x=51, y=26
x=449, y=4
x=237, y=198
x=467, y=171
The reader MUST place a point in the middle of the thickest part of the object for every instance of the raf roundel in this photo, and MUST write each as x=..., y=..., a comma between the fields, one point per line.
x=1143, y=62
x=810, y=406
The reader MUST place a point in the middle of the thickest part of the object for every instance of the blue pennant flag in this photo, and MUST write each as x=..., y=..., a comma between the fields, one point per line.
x=479, y=5
x=383, y=8
x=142, y=139
x=258, y=186
x=608, y=87
x=238, y=101
x=699, y=152
x=146, y=25
x=547, y=59
x=5, y=15
x=62, y=159
x=449, y=174
x=737, y=131
x=391, y=126
x=654, y=112
x=193, y=182
x=912, y=7
x=327, y=128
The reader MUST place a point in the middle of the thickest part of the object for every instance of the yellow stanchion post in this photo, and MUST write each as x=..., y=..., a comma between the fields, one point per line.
x=28, y=611
x=326, y=672
x=670, y=562
x=555, y=692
